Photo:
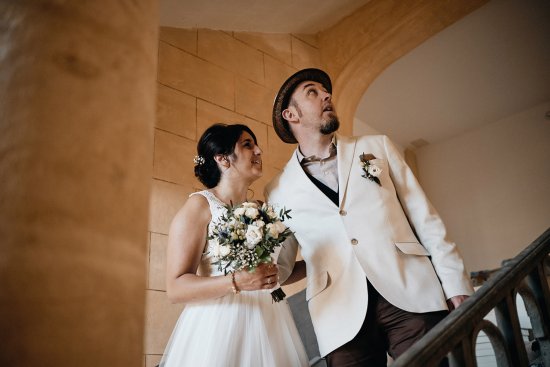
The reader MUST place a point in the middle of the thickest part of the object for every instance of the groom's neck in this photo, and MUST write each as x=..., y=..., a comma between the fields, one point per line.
x=318, y=146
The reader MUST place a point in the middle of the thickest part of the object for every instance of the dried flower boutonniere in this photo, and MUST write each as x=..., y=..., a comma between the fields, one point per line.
x=372, y=171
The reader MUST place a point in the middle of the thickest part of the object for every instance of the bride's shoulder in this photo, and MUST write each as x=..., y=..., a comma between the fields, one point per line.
x=196, y=207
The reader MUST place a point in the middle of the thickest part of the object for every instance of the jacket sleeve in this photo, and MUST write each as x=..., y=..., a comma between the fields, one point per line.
x=287, y=258
x=289, y=250
x=428, y=226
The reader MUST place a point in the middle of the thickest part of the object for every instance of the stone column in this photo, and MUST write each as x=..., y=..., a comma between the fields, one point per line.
x=77, y=104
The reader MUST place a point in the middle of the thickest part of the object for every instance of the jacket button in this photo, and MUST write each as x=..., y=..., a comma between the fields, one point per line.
x=354, y=241
x=343, y=212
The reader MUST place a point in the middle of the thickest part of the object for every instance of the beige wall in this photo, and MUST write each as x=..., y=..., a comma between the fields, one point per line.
x=492, y=186
x=357, y=49
x=204, y=77
x=207, y=76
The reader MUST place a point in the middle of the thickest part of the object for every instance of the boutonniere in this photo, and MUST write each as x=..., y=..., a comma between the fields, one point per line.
x=372, y=171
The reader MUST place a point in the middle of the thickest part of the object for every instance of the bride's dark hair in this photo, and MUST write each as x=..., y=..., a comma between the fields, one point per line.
x=217, y=139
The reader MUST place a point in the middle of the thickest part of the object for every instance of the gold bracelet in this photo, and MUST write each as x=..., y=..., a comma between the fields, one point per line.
x=234, y=287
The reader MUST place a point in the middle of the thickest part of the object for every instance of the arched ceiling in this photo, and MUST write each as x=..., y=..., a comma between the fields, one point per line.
x=491, y=64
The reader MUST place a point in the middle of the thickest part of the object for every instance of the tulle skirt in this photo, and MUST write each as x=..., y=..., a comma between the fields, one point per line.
x=243, y=330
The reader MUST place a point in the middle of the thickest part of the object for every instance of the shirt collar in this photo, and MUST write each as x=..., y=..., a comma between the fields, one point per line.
x=313, y=158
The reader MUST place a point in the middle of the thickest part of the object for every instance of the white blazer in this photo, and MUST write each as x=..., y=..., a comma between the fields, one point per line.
x=367, y=236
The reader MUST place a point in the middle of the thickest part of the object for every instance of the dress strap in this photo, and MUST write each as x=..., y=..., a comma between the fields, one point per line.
x=217, y=207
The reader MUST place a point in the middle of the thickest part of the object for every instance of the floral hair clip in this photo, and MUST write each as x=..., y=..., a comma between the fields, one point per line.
x=198, y=160
x=372, y=171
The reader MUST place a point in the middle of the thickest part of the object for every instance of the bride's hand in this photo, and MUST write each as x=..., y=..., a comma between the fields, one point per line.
x=264, y=277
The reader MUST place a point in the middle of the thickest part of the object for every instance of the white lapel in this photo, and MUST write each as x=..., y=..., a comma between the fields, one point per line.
x=345, y=148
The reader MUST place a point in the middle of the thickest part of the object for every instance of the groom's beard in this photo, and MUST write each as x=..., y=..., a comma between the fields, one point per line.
x=330, y=126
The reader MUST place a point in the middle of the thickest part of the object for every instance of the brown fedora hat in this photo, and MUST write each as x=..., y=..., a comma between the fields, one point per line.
x=283, y=98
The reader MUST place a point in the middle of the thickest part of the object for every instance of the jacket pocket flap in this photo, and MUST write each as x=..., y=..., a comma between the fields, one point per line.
x=316, y=284
x=412, y=248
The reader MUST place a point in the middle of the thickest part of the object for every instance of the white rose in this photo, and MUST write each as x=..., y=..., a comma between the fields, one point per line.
x=271, y=213
x=259, y=223
x=276, y=228
x=224, y=250
x=374, y=170
x=272, y=230
x=251, y=213
x=248, y=204
x=253, y=236
x=239, y=211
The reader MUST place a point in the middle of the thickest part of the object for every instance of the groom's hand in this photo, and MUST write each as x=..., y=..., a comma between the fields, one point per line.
x=456, y=301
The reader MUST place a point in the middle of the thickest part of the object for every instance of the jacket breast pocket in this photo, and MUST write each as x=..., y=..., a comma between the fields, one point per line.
x=316, y=284
x=412, y=248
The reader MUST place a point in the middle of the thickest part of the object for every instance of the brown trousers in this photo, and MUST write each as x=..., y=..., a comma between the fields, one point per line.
x=386, y=329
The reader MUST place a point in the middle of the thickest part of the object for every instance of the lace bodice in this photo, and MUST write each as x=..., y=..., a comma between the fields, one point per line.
x=217, y=210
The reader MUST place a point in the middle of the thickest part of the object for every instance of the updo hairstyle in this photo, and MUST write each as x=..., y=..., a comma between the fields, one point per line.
x=217, y=139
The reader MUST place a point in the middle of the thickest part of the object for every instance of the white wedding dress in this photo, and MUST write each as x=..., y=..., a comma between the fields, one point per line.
x=236, y=330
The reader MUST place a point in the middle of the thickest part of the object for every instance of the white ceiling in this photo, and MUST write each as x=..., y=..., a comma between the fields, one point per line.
x=487, y=66
x=267, y=16
x=491, y=64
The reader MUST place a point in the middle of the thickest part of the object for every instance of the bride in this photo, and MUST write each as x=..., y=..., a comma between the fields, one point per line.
x=228, y=320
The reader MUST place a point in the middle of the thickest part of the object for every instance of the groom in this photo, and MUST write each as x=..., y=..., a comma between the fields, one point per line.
x=380, y=270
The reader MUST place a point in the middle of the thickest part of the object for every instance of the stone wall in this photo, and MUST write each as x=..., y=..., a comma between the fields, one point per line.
x=204, y=77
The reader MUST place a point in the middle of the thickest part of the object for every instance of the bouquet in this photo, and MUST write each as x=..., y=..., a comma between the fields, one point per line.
x=246, y=236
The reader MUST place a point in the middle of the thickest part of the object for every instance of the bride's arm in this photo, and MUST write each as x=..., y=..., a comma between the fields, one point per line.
x=186, y=242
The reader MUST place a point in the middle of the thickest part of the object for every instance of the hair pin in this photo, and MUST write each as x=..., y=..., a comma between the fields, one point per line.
x=198, y=160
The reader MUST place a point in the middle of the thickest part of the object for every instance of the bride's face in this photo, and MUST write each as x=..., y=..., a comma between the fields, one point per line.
x=246, y=159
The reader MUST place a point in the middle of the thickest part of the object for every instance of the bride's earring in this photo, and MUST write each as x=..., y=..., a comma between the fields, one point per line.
x=222, y=161
x=226, y=162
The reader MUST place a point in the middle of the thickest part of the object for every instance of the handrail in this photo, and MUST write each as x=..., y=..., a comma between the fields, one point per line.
x=456, y=334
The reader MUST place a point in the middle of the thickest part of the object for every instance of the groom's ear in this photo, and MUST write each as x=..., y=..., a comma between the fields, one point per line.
x=288, y=114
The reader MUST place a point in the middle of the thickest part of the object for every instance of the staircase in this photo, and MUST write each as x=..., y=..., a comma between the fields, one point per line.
x=457, y=334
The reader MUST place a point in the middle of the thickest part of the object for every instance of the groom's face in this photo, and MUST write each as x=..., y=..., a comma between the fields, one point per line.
x=312, y=106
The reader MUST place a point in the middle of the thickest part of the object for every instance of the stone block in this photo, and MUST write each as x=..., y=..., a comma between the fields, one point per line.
x=166, y=199
x=225, y=51
x=176, y=112
x=276, y=72
x=278, y=152
x=275, y=45
x=192, y=75
x=160, y=318
x=173, y=157
x=157, y=262
x=185, y=39
x=311, y=39
x=208, y=114
x=258, y=186
x=305, y=55
x=253, y=100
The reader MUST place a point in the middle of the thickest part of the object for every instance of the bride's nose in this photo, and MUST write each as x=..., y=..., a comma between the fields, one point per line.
x=258, y=150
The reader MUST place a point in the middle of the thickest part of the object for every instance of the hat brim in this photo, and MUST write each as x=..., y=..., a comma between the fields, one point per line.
x=283, y=97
